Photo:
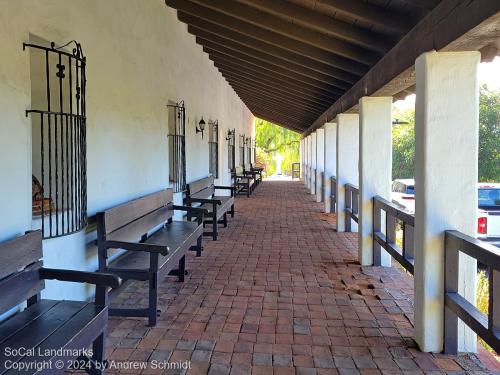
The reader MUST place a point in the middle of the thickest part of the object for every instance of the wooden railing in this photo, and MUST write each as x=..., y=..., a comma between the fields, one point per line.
x=322, y=186
x=351, y=205
x=402, y=253
x=333, y=194
x=456, y=306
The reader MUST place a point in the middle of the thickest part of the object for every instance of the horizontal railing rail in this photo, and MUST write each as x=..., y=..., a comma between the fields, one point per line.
x=333, y=194
x=403, y=253
x=351, y=205
x=486, y=326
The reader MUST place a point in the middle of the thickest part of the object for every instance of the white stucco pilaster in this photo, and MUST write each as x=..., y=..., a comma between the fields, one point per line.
x=347, y=160
x=320, y=162
x=330, y=161
x=308, y=161
x=314, y=143
x=446, y=157
x=375, y=170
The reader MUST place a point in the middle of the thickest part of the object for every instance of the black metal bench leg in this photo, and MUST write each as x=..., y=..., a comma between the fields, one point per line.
x=98, y=354
x=214, y=227
x=153, y=299
x=199, y=246
x=232, y=210
x=182, y=268
x=248, y=190
x=225, y=219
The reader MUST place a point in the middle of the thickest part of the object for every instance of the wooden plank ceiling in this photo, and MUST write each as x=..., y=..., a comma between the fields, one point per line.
x=290, y=60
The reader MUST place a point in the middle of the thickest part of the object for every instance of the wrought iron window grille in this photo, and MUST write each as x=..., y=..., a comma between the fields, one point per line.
x=213, y=148
x=231, y=151
x=177, y=146
x=59, y=137
x=242, y=140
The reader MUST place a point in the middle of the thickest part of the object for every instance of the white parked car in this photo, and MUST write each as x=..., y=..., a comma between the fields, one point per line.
x=488, y=222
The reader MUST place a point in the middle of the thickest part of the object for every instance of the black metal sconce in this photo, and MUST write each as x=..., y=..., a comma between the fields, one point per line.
x=230, y=134
x=200, y=128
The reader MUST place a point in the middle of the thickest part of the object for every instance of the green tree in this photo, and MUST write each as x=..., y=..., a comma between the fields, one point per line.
x=403, y=139
x=489, y=135
x=271, y=140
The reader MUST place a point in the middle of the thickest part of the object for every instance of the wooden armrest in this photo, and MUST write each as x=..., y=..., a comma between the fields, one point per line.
x=96, y=278
x=195, y=211
x=225, y=187
x=137, y=246
x=204, y=200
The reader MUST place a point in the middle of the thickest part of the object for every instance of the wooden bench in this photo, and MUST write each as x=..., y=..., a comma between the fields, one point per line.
x=48, y=325
x=256, y=174
x=154, y=244
x=202, y=192
x=243, y=182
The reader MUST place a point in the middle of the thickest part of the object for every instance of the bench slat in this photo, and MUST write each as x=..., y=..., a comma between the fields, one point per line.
x=136, y=229
x=19, y=321
x=20, y=252
x=40, y=328
x=89, y=321
x=178, y=236
x=123, y=214
x=204, y=193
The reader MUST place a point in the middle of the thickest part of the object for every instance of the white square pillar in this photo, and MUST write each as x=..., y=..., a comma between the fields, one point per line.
x=330, y=161
x=320, y=163
x=301, y=158
x=309, y=161
x=313, y=163
x=306, y=160
x=446, y=157
x=347, y=160
x=375, y=171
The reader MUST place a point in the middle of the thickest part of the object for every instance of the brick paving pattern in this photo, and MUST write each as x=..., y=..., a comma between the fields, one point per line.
x=280, y=292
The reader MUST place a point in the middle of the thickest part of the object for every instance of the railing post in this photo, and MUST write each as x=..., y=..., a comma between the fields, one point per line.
x=494, y=299
x=333, y=197
x=377, y=227
x=451, y=261
x=408, y=241
x=348, y=204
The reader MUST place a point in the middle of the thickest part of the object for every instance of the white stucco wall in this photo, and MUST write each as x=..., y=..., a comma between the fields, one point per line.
x=139, y=56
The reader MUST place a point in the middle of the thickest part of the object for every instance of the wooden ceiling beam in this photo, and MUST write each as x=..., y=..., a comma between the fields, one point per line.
x=262, y=20
x=249, y=99
x=247, y=61
x=439, y=30
x=220, y=35
x=228, y=47
x=295, y=127
x=319, y=22
x=370, y=13
x=318, y=95
x=297, y=123
x=238, y=31
x=282, y=93
x=279, y=123
x=290, y=104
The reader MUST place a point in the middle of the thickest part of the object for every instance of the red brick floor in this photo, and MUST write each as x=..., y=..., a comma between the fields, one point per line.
x=280, y=292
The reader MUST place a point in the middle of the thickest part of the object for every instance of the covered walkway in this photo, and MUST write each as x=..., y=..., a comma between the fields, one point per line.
x=282, y=292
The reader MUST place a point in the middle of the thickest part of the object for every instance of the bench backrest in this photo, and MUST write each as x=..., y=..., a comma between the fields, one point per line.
x=130, y=221
x=19, y=265
x=248, y=167
x=203, y=188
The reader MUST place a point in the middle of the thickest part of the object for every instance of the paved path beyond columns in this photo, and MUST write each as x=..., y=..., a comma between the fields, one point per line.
x=281, y=292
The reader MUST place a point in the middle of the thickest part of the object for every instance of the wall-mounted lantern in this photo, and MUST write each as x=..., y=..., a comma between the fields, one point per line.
x=201, y=127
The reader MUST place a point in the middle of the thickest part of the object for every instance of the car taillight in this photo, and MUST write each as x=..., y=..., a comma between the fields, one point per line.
x=482, y=225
